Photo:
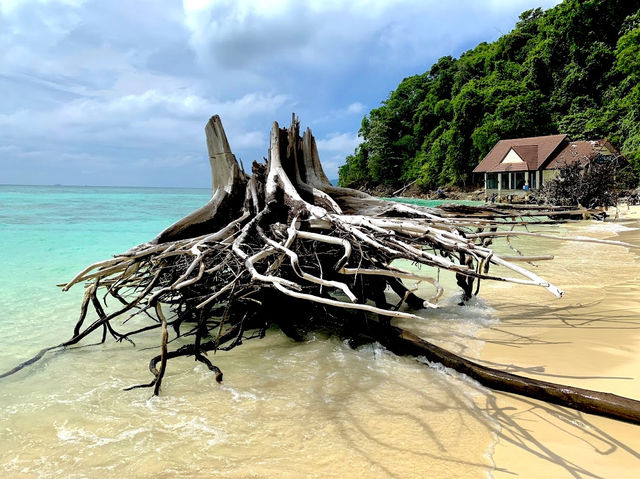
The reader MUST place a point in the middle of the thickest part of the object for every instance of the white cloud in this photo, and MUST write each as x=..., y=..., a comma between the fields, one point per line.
x=356, y=107
x=343, y=142
x=167, y=162
x=150, y=115
x=31, y=29
x=259, y=36
x=9, y=149
x=249, y=139
x=334, y=148
x=252, y=104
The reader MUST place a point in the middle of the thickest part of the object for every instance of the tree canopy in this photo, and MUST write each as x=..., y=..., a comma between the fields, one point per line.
x=572, y=69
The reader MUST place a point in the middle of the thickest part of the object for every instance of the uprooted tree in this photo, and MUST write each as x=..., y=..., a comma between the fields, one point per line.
x=283, y=247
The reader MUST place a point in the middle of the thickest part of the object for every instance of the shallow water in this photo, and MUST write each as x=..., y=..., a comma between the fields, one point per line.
x=312, y=409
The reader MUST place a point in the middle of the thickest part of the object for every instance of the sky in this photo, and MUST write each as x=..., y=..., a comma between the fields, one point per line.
x=113, y=92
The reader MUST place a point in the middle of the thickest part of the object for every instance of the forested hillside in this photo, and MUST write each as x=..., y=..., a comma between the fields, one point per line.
x=573, y=69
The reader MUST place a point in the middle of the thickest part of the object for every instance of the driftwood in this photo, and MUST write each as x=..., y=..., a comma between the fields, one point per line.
x=283, y=247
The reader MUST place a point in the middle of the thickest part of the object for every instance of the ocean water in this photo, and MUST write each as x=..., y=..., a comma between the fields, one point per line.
x=48, y=234
x=285, y=409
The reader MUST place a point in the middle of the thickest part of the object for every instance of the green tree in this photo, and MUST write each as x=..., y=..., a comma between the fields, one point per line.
x=572, y=69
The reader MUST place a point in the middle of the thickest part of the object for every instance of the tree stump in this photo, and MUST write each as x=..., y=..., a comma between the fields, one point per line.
x=285, y=247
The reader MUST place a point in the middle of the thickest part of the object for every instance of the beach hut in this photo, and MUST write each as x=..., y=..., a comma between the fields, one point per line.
x=521, y=165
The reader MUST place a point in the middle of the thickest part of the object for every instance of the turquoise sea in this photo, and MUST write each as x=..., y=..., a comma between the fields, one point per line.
x=315, y=409
x=49, y=233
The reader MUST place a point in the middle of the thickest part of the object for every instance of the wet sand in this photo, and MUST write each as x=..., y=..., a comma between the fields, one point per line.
x=590, y=338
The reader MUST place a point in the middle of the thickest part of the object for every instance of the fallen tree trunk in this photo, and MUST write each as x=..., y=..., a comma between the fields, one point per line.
x=404, y=342
x=284, y=247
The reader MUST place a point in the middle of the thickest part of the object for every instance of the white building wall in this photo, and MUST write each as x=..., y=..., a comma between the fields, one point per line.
x=512, y=157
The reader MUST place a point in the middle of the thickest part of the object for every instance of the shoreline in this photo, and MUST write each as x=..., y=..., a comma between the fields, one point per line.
x=589, y=338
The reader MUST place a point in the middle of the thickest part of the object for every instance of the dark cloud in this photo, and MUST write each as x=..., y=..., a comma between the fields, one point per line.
x=115, y=92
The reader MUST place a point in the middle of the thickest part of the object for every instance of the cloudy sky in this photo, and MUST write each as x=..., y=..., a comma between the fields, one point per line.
x=113, y=92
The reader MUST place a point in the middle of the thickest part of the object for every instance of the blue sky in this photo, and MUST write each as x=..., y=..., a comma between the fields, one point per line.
x=115, y=92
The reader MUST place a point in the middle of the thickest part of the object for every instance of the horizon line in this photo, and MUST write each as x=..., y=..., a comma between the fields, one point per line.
x=105, y=186
x=332, y=181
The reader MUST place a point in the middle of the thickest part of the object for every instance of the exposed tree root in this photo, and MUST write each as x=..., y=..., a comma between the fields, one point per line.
x=284, y=247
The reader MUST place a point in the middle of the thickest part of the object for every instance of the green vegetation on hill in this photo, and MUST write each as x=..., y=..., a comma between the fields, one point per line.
x=572, y=69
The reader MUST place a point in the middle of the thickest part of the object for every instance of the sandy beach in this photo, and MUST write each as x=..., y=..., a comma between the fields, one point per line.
x=590, y=338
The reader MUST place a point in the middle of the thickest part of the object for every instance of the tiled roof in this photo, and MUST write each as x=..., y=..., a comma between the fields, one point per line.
x=535, y=151
x=581, y=151
x=529, y=153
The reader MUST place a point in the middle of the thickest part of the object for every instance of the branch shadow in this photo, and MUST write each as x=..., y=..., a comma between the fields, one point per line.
x=541, y=371
x=453, y=402
x=587, y=316
x=515, y=429
x=509, y=417
x=573, y=315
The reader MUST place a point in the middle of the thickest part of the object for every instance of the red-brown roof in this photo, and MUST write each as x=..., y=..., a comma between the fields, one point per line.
x=581, y=151
x=535, y=151
x=529, y=153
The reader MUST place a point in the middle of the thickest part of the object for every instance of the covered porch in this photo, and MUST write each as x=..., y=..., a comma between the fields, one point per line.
x=512, y=182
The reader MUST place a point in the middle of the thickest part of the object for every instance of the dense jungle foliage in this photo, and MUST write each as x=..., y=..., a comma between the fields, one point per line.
x=572, y=69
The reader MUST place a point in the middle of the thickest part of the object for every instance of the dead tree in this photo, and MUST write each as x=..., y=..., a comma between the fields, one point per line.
x=284, y=247
x=596, y=182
